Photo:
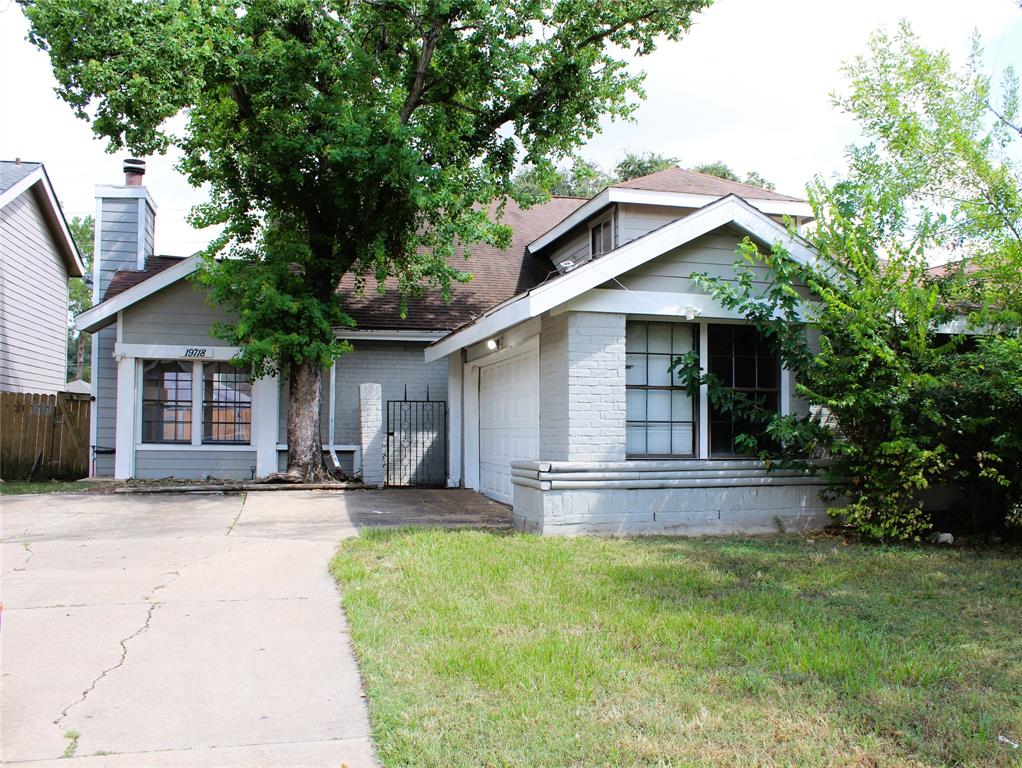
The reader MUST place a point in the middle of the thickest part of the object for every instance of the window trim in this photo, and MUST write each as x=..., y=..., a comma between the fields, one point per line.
x=696, y=420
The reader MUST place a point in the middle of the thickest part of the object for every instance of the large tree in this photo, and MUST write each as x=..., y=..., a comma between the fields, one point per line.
x=80, y=298
x=900, y=404
x=353, y=136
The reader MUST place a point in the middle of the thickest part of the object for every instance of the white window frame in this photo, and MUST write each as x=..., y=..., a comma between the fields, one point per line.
x=197, y=413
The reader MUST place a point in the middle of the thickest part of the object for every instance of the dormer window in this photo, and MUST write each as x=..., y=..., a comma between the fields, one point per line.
x=601, y=237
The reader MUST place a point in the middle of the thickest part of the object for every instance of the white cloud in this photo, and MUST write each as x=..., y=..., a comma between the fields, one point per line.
x=749, y=85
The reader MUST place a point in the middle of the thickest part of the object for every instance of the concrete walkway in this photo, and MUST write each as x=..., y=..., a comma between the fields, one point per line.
x=182, y=630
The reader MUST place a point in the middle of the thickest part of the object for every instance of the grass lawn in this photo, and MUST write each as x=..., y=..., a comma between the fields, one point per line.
x=14, y=487
x=484, y=649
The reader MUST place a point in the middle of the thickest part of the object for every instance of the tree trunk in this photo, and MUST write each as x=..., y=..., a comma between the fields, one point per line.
x=304, y=447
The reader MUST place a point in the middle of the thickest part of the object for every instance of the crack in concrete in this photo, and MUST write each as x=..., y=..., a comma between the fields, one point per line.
x=28, y=548
x=153, y=605
x=108, y=670
x=244, y=499
x=185, y=602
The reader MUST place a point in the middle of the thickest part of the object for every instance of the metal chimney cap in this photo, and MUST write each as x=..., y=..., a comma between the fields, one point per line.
x=134, y=170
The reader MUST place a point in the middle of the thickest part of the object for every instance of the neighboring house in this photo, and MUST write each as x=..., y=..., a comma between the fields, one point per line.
x=37, y=257
x=547, y=375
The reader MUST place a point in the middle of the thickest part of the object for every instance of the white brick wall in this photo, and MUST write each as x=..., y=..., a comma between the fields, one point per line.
x=582, y=387
x=596, y=387
x=371, y=433
x=553, y=388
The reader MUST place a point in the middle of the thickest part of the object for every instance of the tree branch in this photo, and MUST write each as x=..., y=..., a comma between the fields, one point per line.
x=429, y=42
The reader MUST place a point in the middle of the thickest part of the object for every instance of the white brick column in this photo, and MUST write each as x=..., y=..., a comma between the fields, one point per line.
x=596, y=387
x=370, y=413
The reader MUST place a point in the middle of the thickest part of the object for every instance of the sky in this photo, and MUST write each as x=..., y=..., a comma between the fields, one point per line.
x=750, y=85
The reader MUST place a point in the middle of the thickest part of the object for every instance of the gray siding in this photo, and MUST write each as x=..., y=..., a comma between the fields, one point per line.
x=177, y=315
x=104, y=382
x=33, y=301
x=195, y=464
x=118, y=238
x=713, y=254
x=634, y=221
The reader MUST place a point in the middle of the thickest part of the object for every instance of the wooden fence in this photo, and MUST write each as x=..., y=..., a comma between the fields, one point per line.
x=44, y=437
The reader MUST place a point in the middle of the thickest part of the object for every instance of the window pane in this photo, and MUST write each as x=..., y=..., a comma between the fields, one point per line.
x=658, y=438
x=721, y=438
x=683, y=336
x=720, y=339
x=594, y=242
x=745, y=340
x=608, y=236
x=635, y=369
x=681, y=406
x=659, y=405
x=166, y=402
x=227, y=404
x=635, y=439
x=745, y=372
x=658, y=371
x=659, y=337
x=682, y=439
x=767, y=373
x=720, y=366
x=635, y=405
x=635, y=337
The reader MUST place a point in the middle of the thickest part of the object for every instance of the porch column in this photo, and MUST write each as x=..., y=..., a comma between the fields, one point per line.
x=124, y=442
x=704, y=392
x=454, y=380
x=265, y=415
x=370, y=413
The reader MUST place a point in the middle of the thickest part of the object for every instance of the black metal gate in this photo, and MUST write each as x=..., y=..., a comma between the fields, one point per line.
x=417, y=443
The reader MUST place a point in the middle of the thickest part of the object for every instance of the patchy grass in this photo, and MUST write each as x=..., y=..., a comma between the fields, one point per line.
x=72, y=746
x=499, y=650
x=14, y=487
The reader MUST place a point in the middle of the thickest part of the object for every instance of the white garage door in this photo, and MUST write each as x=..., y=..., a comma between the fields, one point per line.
x=508, y=421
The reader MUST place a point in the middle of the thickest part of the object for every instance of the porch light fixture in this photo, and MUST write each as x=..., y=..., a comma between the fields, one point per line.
x=691, y=313
x=492, y=344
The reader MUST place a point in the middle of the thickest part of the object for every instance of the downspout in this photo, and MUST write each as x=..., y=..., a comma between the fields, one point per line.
x=333, y=416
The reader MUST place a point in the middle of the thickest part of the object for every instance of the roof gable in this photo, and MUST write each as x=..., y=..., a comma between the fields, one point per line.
x=731, y=210
x=680, y=180
x=18, y=178
x=497, y=275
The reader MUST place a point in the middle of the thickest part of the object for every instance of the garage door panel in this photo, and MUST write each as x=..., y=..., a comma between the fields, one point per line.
x=508, y=421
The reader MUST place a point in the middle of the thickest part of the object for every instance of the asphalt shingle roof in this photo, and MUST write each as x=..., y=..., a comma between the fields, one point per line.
x=11, y=172
x=691, y=182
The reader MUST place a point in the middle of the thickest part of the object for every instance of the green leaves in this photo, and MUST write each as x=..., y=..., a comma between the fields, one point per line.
x=364, y=137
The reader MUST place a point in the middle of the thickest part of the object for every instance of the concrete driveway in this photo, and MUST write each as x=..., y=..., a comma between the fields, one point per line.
x=200, y=630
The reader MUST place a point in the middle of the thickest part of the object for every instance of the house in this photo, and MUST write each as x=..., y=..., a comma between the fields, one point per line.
x=37, y=258
x=545, y=383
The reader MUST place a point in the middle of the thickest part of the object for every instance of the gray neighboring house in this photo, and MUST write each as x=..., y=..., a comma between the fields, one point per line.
x=545, y=383
x=37, y=258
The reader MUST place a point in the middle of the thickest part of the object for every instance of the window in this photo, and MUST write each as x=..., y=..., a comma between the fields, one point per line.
x=601, y=237
x=166, y=402
x=226, y=404
x=660, y=413
x=743, y=361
